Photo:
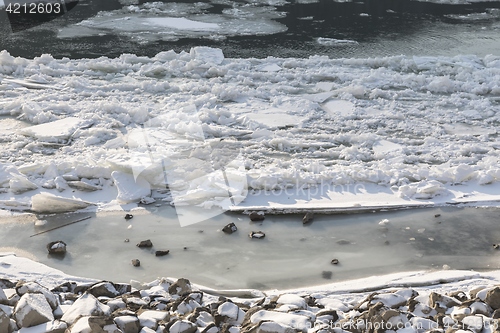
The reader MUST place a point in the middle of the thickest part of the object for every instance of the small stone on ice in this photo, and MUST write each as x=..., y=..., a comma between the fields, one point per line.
x=256, y=216
x=496, y=246
x=127, y=240
x=437, y=215
x=308, y=217
x=162, y=253
x=145, y=243
x=129, y=216
x=257, y=234
x=229, y=228
x=57, y=247
x=136, y=262
x=335, y=261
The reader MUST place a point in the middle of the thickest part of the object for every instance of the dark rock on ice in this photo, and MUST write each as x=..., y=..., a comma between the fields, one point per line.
x=229, y=228
x=57, y=247
x=136, y=262
x=308, y=218
x=129, y=216
x=335, y=261
x=145, y=243
x=257, y=234
x=256, y=216
x=162, y=253
x=437, y=215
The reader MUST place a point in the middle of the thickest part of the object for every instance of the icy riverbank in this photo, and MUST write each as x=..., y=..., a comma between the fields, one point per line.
x=47, y=300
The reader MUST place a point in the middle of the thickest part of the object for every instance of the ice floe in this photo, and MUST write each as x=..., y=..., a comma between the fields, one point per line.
x=213, y=130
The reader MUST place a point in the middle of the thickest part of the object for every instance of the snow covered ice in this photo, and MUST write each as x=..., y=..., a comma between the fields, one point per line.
x=415, y=128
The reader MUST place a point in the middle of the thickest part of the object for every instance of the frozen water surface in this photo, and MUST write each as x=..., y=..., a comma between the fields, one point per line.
x=291, y=255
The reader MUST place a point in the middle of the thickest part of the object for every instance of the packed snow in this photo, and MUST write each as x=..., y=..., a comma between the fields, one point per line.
x=216, y=130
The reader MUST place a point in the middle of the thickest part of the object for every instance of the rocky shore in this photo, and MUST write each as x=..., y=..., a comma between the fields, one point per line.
x=177, y=306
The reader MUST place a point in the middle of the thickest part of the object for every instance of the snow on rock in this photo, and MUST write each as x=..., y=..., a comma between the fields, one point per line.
x=82, y=325
x=36, y=288
x=85, y=305
x=128, y=323
x=151, y=318
x=130, y=189
x=183, y=326
x=291, y=320
x=232, y=312
x=48, y=203
x=32, y=310
x=55, y=326
x=272, y=327
x=295, y=301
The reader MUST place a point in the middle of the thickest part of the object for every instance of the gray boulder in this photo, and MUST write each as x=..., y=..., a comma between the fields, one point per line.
x=180, y=287
x=86, y=305
x=182, y=326
x=32, y=310
x=4, y=322
x=128, y=324
x=35, y=288
x=493, y=298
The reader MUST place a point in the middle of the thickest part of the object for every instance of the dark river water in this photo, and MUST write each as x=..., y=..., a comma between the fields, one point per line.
x=380, y=28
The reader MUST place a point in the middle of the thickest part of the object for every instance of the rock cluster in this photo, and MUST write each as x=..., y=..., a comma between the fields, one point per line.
x=175, y=306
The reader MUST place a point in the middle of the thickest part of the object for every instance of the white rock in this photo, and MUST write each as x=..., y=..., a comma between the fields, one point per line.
x=128, y=324
x=32, y=310
x=33, y=287
x=50, y=327
x=231, y=311
x=389, y=299
x=204, y=319
x=86, y=305
x=294, y=300
x=183, y=326
x=423, y=324
x=116, y=304
x=473, y=323
x=151, y=318
x=333, y=304
x=147, y=330
x=271, y=327
x=130, y=189
x=81, y=326
x=297, y=322
x=47, y=203
x=111, y=329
